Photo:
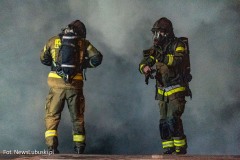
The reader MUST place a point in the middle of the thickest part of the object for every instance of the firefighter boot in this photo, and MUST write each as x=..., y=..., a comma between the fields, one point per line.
x=79, y=149
x=54, y=150
x=180, y=151
x=168, y=146
x=180, y=144
x=169, y=150
x=79, y=143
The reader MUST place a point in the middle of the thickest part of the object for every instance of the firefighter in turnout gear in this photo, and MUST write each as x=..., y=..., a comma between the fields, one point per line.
x=170, y=56
x=63, y=88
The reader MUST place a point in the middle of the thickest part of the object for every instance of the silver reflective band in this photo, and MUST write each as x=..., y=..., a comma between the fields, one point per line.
x=69, y=37
x=66, y=65
x=170, y=88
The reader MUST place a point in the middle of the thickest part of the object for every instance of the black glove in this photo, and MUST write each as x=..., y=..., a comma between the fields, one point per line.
x=47, y=59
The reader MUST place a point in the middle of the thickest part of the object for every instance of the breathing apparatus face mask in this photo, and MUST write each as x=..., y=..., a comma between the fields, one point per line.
x=159, y=37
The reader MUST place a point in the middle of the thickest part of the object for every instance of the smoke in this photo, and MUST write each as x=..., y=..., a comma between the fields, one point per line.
x=121, y=113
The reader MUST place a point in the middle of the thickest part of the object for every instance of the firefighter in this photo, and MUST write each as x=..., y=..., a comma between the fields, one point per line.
x=61, y=91
x=168, y=54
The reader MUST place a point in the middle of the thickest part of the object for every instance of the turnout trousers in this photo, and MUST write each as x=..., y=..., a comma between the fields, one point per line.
x=170, y=125
x=54, y=105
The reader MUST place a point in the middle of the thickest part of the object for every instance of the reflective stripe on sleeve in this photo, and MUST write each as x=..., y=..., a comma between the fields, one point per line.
x=78, y=138
x=50, y=133
x=168, y=144
x=180, y=49
x=170, y=59
x=141, y=67
x=152, y=57
x=45, y=48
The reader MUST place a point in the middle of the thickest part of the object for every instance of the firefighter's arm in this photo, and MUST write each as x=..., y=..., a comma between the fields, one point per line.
x=175, y=58
x=94, y=57
x=45, y=55
x=147, y=62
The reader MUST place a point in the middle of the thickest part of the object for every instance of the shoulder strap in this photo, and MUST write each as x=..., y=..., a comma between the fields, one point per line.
x=81, y=50
x=82, y=45
x=185, y=41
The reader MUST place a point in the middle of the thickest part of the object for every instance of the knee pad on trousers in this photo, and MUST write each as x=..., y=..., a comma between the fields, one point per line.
x=165, y=129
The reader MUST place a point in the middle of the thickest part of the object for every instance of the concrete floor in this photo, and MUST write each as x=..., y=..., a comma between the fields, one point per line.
x=119, y=157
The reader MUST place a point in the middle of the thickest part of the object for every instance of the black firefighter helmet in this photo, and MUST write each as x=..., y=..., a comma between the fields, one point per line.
x=78, y=27
x=162, y=30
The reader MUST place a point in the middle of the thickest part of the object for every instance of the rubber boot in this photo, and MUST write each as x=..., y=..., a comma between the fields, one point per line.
x=169, y=150
x=180, y=151
x=53, y=150
x=79, y=149
x=180, y=144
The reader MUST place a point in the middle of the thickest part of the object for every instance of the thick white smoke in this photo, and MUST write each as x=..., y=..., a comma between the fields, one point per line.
x=121, y=113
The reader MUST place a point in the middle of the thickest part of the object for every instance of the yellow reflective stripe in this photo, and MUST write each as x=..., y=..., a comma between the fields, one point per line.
x=168, y=144
x=57, y=43
x=170, y=59
x=160, y=91
x=53, y=52
x=152, y=57
x=168, y=93
x=78, y=138
x=174, y=91
x=140, y=68
x=50, y=133
x=179, y=143
x=180, y=49
x=55, y=75
x=45, y=48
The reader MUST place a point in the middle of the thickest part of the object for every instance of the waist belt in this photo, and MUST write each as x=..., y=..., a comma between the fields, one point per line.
x=170, y=90
x=53, y=74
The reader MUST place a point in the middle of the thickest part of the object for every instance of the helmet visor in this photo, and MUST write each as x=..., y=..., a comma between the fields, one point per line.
x=158, y=36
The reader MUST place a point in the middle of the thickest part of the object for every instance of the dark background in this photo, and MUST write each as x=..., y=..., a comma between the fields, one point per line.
x=121, y=113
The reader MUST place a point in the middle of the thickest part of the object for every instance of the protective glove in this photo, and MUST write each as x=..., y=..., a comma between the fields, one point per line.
x=47, y=59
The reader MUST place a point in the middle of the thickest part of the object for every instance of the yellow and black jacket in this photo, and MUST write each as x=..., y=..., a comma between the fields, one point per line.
x=49, y=54
x=169, y=68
